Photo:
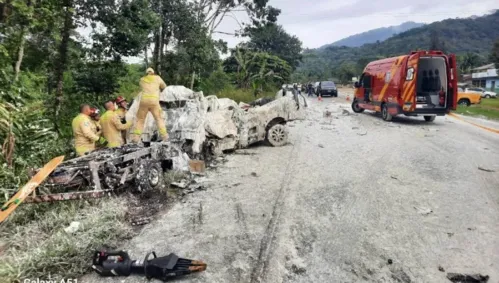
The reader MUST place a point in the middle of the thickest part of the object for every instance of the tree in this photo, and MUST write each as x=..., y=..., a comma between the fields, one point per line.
x=212, y=12
x=273, y=39
x=256, y=69
x=469, y=61
x=494, y=54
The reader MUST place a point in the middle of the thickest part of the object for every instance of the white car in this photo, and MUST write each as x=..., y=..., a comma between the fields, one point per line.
x=209, y=125
x=483, y=92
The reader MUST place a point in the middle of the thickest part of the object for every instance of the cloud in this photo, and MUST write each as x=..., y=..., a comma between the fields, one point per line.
x=320, y=22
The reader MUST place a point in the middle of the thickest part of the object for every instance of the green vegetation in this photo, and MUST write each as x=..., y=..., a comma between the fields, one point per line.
x=460, y=36
x=38, y=246
x=489, y=108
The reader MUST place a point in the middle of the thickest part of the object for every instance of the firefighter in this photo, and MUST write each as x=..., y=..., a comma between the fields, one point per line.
x=122, y=106
x=95, y=116
x=121, y=111
x=84, y=132
x=112, y=126
x=150, y=85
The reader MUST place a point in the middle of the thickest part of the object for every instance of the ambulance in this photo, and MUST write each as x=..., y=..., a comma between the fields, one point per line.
x=422, y=83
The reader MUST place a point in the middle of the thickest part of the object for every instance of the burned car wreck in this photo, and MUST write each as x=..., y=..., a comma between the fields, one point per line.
x=202, y=125
x=111, y=169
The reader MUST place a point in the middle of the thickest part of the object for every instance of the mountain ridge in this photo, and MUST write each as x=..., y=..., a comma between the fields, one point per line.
x=459, y=35
x=374, y=35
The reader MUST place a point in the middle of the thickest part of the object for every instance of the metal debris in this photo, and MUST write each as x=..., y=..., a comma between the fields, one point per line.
x=180, y=185
x=486, y=170
x=320, y=145
x=441, y=269
x=423, y=210
x=465, y=278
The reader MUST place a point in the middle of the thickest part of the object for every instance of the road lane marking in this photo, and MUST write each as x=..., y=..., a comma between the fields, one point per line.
x=474, y=124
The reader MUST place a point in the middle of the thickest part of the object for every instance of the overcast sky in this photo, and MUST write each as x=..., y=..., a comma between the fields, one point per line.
x=326, y=21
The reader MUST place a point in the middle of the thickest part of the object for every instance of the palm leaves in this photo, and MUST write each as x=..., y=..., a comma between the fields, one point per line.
x=257, y=68
x=23, y=129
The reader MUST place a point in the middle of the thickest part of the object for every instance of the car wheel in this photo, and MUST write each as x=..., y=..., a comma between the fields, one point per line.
x=149, y=177
x=464, y=102
x=385, y=114
x=487, y=96
x=356, y=107
x=429, y=118
x=277, y=135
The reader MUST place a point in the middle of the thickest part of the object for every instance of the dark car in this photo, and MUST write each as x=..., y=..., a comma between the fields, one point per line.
x=327, y=88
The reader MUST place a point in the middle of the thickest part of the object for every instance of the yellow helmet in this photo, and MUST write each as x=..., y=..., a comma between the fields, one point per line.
x=150, y=71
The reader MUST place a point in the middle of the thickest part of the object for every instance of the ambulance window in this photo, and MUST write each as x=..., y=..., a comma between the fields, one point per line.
x=410, y=74
x=366, y=81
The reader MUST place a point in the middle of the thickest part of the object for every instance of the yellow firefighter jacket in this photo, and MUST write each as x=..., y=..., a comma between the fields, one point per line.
x=97, y=127
x=112, y=127
x=85, y=134
x=151, y=85
x=121, y=112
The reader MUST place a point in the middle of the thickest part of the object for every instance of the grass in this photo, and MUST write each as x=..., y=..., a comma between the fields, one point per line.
x=489, y=108
x=36, y=245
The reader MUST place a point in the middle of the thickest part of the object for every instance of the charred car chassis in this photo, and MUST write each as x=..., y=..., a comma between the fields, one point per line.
x=109, y=170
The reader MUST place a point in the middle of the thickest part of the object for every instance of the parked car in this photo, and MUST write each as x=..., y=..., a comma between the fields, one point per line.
x=483, y=92
x=327, y=88
x=467, y=98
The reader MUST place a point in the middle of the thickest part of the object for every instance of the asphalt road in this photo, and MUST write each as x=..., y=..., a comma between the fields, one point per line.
x=348, y=196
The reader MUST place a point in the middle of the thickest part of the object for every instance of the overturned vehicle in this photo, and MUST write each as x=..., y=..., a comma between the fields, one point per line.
x=208, y=125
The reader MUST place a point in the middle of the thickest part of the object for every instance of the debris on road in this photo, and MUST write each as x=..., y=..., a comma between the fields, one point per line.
x=423, y=210
x=320, y=145
x=441, y=269
x=393, y=177
x=119, y=263
x=197, y=166
x=390, y=261
x=465, y=278
x=345, y=112
x=327, y=113
x=180, y=185
x=486, y=170
x=355, y=128
x=362, y=134
x=254, y=174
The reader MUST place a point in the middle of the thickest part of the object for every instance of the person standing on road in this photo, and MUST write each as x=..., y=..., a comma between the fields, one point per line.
x=85, y=134
x=112, y=126
x=310, y=88
x=151, y=85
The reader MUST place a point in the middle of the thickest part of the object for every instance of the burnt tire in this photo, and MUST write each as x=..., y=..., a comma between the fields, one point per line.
x=277, y=135
x=429, y=118
x=356, y=108
x=150, y=177
x=464, y=102
x=385, y=114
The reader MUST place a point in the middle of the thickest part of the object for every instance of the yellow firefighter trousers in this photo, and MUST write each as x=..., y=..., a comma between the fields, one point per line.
x=149, y=103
